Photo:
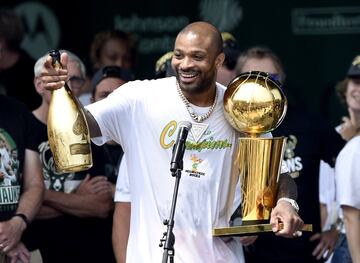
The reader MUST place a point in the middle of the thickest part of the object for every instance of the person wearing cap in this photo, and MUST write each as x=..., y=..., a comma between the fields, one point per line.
x=347, y=169
x=350, y=124
x=75, y=204
x=106, y=80
x=163, y=66
x=231, y=49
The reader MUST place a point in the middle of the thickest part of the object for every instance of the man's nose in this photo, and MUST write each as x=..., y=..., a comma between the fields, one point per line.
x=186, y=63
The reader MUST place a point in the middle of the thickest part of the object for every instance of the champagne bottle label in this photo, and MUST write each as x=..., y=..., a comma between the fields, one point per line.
x=79, y=128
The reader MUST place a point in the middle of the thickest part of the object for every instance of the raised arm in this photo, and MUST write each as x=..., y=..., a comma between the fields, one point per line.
x=56, y=78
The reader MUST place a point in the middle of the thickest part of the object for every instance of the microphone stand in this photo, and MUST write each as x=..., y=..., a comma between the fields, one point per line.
x=168, y=239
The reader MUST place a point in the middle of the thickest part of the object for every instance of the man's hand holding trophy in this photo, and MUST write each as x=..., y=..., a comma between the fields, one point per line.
x=254, y=105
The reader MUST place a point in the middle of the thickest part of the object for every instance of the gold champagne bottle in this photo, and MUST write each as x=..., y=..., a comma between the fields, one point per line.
x=68, y=131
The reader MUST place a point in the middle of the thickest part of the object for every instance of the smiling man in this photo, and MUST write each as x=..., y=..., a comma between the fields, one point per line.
x=144, y=117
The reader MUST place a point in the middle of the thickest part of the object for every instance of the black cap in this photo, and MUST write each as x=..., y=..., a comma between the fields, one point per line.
x=110, y=72
x=231, y=50
x=354, y=70
x=163, y=66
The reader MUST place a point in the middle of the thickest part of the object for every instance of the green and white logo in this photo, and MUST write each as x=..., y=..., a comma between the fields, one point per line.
x=42, y=30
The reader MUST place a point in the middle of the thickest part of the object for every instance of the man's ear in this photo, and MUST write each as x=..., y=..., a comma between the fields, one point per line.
x=38, y=87
x=219, y=60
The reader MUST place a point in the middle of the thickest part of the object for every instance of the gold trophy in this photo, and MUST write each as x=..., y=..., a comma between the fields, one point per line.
x=254, y=105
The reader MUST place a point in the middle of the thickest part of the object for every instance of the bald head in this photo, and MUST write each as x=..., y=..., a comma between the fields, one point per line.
x=205, y=29
x=197, y=56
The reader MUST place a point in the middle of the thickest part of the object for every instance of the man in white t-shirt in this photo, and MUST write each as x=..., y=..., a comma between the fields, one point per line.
x=144, y=116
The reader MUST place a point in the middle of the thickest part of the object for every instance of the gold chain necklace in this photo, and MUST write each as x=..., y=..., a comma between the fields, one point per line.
x=193, y=115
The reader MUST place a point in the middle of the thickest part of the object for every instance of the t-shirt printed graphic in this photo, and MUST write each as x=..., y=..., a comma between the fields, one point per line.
x=60, y=182
x=9, y=173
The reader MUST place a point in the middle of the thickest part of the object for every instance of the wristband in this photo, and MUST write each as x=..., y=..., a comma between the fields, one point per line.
x=23, y=217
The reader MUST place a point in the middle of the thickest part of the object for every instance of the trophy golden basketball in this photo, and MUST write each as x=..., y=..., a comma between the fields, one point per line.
x=254, y=104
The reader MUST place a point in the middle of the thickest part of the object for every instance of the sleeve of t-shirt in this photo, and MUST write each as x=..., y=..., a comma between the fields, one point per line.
x=113, y=114
x=347, y=179
x=326, y=184
x=32, y=138
x=122, y=190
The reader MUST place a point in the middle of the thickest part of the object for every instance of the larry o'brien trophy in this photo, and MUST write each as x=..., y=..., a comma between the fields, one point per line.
x=254, y=104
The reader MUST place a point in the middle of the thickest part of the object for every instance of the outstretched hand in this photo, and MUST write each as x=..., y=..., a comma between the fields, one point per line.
x=292, y=223
x=54, y=78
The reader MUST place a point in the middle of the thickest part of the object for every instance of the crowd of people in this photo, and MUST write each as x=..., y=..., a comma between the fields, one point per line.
x=114, y=212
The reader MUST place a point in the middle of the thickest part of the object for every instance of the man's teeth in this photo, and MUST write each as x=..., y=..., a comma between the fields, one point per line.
x=188, y=75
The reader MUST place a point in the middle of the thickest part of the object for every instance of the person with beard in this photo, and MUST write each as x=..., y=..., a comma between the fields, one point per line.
x=143, y=117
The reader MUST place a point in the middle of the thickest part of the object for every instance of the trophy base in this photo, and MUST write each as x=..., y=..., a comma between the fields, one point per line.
x=248, y=230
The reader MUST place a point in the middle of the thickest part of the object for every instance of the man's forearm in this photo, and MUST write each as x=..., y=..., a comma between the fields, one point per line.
x=89, y=205
x=93, y=125
x=47, y=212
x=286, y=187
x=323, y=215
x=30, y=201
x=33, y=186
x=121, y=229
x=352, y=226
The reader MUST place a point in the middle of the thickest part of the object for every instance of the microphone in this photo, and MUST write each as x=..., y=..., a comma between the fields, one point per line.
x=179, y=147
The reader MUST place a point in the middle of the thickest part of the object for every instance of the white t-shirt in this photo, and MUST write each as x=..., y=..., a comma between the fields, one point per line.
x=122, y=189
x=327, y=193
x=143, y=116
x=347, y=169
